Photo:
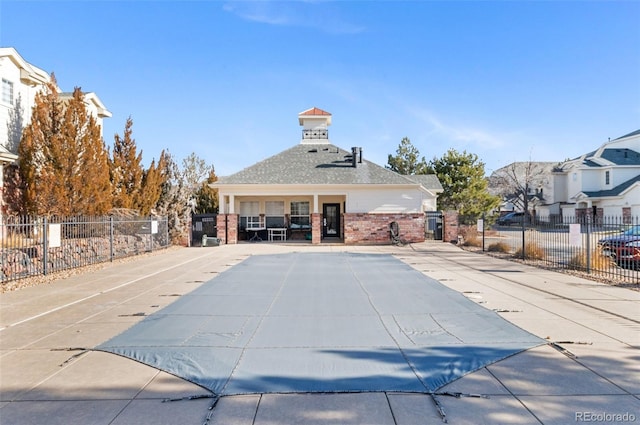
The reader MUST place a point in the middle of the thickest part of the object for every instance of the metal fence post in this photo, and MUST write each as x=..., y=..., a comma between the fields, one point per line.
x=150, y=233
x=111, y=248
x=483, y=230
x=588, y=247
x=45, y=246
x=523, y=241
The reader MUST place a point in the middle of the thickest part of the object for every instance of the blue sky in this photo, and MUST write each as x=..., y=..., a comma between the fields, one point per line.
x=505, y=80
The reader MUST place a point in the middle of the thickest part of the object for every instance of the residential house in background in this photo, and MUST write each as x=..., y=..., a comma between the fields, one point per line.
x=519, y=179
x=20, y=82
x=602, y=183
x=317, y=191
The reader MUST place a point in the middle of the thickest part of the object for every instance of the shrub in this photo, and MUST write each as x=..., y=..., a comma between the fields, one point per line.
x=532, y=251
x=599, y=261
x=470, y=236
x=15, y=241
x=474, y=241
x=499, y=247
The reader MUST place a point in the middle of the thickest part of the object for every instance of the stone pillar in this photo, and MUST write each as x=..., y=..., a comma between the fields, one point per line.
x=316, y=228
x=451, y=231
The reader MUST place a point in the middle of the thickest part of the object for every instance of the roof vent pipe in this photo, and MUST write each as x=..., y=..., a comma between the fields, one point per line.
x=354, y=154
x=360, y=157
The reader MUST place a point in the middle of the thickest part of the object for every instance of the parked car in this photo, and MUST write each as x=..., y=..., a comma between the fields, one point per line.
x=511, y=218
x=628, y=255
x=610, y=244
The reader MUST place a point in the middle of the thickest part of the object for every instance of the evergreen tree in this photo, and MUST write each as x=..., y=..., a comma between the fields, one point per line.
x=407, y=161
x=196, y=175
x=43, y=131
x=87, y=172
x=126, y=170
x=206, y=198
x=174, y=200
x=462, y=177
x=63, y=159
x=153, y=180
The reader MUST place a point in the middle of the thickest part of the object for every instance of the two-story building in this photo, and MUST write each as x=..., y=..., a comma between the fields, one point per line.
x=21, y=81
x=320, y=192
x=604, y=182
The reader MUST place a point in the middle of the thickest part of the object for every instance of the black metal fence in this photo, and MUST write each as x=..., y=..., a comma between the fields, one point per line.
x=31, y=246
x=608, y=247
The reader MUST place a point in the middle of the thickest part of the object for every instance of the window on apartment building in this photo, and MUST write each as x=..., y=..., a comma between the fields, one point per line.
x=249, y=214
x=300, y=215
x=7, y=91
x=274, y=213
x=607, y=178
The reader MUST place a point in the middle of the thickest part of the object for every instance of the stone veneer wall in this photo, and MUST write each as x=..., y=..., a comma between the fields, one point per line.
x=365, y=228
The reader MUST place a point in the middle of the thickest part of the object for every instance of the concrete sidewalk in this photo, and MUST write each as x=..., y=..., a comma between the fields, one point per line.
x=591, y=374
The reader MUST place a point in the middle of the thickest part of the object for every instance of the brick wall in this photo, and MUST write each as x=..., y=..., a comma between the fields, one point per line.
x=227, y=229
x=364, y=228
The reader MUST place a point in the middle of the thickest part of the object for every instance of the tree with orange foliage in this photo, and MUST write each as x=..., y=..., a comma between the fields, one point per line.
x=153, y=181
x=63, y=159
x=126, y=170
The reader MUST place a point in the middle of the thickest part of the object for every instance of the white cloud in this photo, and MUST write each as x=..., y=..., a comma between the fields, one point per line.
x=319, y=15
x=460, y=134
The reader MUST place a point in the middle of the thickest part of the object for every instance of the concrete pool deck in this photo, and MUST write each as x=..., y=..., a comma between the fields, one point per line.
x=590, y=371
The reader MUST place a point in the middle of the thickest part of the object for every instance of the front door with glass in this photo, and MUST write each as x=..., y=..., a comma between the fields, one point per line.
x=331, y=220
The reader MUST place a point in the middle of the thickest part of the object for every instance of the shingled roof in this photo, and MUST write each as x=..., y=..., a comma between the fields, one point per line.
x=314, y=164
x=616, y=191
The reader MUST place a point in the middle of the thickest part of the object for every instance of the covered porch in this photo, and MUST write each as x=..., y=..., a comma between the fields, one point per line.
x=311, y=218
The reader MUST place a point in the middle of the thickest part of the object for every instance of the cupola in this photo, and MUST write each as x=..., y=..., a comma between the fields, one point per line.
x=314, y=124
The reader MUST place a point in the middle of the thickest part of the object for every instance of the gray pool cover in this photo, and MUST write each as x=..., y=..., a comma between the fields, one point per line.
x=321, y=322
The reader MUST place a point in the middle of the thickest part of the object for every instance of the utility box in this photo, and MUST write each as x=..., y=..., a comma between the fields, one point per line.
x=210, y=241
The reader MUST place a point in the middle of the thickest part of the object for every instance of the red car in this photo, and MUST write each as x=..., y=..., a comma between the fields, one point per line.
x=628, y=255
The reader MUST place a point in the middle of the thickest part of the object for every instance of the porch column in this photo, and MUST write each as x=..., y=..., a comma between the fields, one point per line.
x=232, y=204
x=315, y=204
x=227, y=225
x=316, y=228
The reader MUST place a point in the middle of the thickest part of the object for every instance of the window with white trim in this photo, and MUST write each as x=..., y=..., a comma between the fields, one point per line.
x=607, y=178
x=300, y=215
x=7, y=91
x=249, y=214
x=274, y=213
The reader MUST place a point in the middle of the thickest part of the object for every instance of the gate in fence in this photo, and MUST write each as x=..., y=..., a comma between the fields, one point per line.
x=433, y=225
x=201, y=225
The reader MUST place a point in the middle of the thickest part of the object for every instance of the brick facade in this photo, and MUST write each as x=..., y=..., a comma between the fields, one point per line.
x=364, y=228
